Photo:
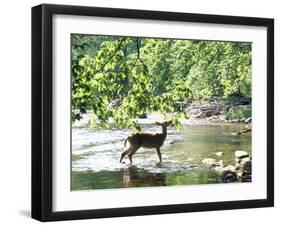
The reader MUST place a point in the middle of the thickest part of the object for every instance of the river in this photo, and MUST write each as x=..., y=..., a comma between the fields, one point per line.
x=96, y=154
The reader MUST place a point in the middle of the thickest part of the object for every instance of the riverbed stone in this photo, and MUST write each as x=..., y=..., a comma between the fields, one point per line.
x=221, y=163
x=222, y=168
x=193, y=165
x=241, y=154
x=242, y=160
x=210, y=162
x=245, y=159
x=219, y=153
x=229, y=168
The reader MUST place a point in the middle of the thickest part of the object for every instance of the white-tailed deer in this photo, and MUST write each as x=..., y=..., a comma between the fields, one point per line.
x=146, y=140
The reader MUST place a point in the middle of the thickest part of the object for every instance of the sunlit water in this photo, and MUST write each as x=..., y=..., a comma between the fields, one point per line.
x=96, y=154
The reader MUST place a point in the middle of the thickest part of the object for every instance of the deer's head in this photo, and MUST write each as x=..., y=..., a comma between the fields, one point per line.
x=164, y=124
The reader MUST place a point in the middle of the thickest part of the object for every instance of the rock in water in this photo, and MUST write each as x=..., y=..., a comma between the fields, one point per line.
x=246, y=165
x=210, y=162
x=241, y=154
x=172, y=142
x=245, y=177
x=221, y=163
x=193, y=166
x=219, y=153
x=244, y=169
x=229, y=168
x=227, y=176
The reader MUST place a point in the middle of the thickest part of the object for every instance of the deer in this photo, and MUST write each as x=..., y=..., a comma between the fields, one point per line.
x=146, y=140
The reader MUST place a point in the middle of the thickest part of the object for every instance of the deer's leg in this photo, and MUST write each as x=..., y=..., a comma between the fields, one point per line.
x=132, y=153
x=125, y=153
x=159, y=154
x=130, y=157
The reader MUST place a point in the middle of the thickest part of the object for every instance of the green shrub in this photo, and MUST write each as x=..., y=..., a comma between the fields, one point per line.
x=238, y=113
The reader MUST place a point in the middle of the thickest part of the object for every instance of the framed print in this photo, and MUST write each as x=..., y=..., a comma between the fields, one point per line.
x=145, y=112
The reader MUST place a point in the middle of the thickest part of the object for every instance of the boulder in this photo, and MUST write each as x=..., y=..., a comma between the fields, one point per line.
x=246, y=165
x=248, y=120
x=241, y=154
x=244, y=177
x=244, y=169
x=227, y=176
x=229, y=168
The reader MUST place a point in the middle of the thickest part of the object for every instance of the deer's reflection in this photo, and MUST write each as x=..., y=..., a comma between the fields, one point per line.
x=135, y=177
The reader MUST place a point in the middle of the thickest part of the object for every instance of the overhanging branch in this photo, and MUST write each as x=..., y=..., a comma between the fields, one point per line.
x=138, y=59
x=111, y=57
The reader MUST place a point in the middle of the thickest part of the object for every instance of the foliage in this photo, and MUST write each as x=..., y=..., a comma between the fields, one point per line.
x=238, y=113
x=121, y=78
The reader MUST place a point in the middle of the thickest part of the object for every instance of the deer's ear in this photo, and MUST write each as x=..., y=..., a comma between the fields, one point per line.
x=158, y=123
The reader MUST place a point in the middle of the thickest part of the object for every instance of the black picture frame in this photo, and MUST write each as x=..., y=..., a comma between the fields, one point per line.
x=42, y=111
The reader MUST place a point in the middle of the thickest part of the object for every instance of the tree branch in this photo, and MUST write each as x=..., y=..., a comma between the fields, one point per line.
x=138, y=59
x=111, y=57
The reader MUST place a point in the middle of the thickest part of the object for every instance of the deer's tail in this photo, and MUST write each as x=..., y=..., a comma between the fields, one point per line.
x=125, y=142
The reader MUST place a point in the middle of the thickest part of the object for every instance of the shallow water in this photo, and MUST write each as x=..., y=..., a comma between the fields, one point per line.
x=96, y=154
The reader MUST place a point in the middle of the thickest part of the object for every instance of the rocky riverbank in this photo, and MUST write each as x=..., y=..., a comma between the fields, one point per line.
x=217, y=112
x=241, y=171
